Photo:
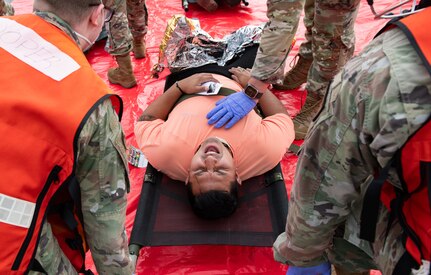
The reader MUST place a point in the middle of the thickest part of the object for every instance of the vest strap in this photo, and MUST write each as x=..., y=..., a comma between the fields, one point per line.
x=405, y=265
x=371, y=205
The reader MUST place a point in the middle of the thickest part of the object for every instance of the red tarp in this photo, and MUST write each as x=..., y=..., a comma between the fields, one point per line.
x=201, y=259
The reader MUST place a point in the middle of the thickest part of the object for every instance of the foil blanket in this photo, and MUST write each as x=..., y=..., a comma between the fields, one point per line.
x=186, y=45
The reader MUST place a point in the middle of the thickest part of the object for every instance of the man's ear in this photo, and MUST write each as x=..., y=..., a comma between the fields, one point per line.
x=95, y=16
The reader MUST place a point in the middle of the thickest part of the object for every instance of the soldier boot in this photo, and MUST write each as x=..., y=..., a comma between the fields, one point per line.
x=303, y=119
x=123, y=74
x=297, y=75
x=209, y=5
x=139, y=47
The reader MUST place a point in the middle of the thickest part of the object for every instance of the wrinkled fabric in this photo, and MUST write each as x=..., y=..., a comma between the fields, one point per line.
x=130, y=20
x=330, y=39
x=277, y=38
x=374, y=104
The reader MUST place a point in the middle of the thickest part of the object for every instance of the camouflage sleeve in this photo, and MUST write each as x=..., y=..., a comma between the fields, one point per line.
x=102, y=173
x=373, y=105
x=277, y=37
x=6, y=9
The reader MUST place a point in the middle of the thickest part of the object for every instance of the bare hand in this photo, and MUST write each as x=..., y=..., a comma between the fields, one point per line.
x=193, y=84
x=240, y=75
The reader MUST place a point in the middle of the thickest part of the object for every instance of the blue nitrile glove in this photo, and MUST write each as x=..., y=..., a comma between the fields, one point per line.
x=322, y=269
x=230, y=109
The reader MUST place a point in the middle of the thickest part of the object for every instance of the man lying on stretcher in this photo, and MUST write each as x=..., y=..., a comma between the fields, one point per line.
x=178, y=140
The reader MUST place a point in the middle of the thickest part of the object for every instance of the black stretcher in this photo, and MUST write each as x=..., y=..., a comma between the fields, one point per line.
x=164, y=216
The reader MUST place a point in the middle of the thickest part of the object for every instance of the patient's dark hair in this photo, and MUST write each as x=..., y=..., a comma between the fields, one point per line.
x=216, y=203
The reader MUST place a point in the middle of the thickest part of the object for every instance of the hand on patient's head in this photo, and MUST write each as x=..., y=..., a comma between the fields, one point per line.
x=193, y=84
x=230, y=110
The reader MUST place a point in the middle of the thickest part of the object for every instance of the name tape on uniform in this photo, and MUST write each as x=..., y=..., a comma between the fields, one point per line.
x=29, y=47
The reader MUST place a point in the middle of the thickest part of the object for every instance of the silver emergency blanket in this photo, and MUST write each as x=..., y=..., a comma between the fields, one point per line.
x=185, y=45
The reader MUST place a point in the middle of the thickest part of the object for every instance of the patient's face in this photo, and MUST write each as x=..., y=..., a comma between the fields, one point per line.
x=212, y=167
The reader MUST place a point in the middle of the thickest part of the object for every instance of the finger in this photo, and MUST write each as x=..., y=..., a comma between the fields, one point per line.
x=216, y=113
x=217, y=116
x=222, y=121
x=232, y=122
x=221, y=101
x=207, y=78
x=234, y=77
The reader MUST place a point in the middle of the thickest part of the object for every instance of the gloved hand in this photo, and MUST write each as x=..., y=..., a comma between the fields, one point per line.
x=322, y=269
x=230, y=109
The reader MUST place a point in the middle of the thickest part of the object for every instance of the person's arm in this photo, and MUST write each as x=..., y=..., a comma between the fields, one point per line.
x=160, y=108
x=271, y=105
x=323, y=189
x=102, y=174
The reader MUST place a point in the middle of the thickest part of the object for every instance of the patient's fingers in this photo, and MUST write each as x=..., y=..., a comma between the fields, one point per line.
x=206, y=77
x=240, y=75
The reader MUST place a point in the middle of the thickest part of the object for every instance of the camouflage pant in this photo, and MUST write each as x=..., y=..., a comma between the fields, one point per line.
x=330, y=39
x=130, y=20
x=6, y=8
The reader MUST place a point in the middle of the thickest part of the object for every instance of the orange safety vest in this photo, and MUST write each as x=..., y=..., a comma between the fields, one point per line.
x=411, y=204
x=40, y=124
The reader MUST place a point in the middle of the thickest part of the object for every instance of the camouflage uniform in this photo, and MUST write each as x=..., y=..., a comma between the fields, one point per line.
x=133, y=14
x=330, y=39
x=6, y=9
x=276, y=39
x=374, y=104
x=101, y=171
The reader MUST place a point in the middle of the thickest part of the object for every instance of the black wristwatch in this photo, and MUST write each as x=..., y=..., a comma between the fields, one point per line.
x=252, y=92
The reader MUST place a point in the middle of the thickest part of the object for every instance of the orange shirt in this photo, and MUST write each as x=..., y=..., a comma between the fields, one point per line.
x=258, y=144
